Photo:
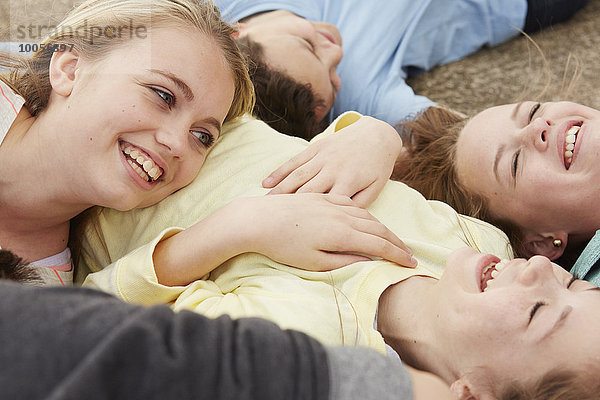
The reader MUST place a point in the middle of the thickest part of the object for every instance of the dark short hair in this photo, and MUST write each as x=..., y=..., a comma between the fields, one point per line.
x=287, y=105
x=13, y=268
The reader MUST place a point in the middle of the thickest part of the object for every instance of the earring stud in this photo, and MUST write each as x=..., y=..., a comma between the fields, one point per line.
x=557, y=243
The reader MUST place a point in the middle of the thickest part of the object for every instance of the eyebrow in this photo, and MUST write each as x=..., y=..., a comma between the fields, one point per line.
x=502, y=148
x=563, y=316
x=513, y=115
x=187, y=92
x=216, y=124
x=559, y=322
x=497, y=160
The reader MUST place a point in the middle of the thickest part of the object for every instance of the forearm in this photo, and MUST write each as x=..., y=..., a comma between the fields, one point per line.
x=196, y=251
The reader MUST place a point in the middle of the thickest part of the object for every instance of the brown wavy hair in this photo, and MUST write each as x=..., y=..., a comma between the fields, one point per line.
x=429, y=166
x=287, y=105
x=557, y=385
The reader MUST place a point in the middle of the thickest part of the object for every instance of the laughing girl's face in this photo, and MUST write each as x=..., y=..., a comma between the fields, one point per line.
x=536, y=163
x=139, y=123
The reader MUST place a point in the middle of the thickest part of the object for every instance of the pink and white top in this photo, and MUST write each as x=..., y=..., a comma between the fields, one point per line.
x=56, y=269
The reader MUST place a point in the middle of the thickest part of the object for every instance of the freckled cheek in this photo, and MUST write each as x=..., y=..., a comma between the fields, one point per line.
x=134, y=118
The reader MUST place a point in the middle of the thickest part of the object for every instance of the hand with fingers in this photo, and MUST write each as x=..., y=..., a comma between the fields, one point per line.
x=356, y=162
x=318, y=232
x=312, y=231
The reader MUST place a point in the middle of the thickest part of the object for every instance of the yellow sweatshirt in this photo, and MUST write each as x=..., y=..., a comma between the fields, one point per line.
x=336, y=307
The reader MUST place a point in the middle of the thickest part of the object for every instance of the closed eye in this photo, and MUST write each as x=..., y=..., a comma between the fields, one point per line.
x=515, y=163
x=534, y=109
x=535, y=308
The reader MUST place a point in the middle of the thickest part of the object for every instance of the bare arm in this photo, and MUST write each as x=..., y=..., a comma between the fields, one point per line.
x=308, y=231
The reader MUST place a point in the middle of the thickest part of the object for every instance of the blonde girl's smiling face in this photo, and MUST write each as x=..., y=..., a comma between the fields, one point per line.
x=518, y=319
x=138, y=123
x=536, y=163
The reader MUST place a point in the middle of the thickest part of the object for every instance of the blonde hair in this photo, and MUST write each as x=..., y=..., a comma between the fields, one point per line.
x=84, y=29
x=430, y=167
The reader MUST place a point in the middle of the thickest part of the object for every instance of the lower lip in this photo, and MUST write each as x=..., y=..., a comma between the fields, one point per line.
x=143, y=184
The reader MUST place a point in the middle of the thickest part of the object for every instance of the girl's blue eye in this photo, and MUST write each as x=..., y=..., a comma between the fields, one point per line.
x=203, y=137
x=167, y=97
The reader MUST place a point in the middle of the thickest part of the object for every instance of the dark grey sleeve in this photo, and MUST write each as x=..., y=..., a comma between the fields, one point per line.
x=73, y=343
x=363, y=374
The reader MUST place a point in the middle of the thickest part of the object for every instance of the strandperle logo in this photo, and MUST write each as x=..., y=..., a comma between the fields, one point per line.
x=89, y=32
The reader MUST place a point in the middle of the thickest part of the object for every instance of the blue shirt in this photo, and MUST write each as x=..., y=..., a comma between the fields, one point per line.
x=586, y=267
x=384, y=39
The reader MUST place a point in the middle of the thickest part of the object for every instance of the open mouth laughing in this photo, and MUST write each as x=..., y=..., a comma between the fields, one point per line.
x=141, y=162
x=569, y=145
x=490, y=272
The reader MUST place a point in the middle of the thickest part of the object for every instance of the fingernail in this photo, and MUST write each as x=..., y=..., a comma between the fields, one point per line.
x=268, y=181
x=414, y=261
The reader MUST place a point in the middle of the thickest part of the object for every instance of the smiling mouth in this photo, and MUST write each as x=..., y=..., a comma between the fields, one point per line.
x=569, y=145
x=141, y=162
x=490, y=272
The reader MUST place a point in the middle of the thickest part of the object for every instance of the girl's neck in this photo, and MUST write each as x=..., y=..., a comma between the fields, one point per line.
x=406, y=319
x=34, y=213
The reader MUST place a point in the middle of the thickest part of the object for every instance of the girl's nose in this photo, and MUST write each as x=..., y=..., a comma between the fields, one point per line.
x=173, y=140
x=537, y=133
x=537, y=269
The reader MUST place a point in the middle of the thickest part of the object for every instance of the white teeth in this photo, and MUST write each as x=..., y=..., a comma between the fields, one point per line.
x=500, y=266
x=141, y=163
x=153, y=172
x=496, y=268
x=486, y=269
x=139, y=171
x=570, y=140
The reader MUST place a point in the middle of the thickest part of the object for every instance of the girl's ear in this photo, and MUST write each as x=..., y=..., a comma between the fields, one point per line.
x=465, y=389
x=63, y=71
x=461, y=390
x=551, y=245
x=242, y=30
